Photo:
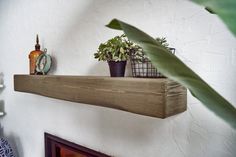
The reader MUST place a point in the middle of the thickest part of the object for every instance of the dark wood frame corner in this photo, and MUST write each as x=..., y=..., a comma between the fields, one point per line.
x=52, y=143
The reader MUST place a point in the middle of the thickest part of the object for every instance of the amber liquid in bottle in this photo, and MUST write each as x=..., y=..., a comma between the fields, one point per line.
x=33, y=57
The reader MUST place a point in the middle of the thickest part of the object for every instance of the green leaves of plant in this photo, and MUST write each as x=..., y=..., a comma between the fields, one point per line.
x=175, y=69
x=225, y=9
x=115, y=49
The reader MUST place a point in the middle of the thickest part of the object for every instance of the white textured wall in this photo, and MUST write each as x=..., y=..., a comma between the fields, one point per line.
x=72, y=30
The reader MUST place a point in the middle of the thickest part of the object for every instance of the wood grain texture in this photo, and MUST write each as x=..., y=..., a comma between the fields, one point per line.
x=152, y=97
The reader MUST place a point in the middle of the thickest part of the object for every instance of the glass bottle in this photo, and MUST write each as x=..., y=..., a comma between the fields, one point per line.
x=33, y=57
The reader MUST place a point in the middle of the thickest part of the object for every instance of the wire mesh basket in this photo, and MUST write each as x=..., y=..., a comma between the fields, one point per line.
x=143, y=67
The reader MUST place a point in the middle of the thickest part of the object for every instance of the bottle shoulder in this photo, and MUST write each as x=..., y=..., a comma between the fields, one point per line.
x=36, y=52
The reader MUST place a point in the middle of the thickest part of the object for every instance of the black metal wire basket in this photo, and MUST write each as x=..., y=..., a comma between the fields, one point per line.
x=143, y=67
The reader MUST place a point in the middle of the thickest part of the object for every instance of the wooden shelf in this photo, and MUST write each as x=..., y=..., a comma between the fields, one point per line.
x=152, y=97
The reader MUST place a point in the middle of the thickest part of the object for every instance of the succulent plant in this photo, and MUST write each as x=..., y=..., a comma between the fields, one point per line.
x=115, y=49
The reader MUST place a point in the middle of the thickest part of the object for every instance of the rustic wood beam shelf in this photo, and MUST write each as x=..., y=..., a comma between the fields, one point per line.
x=152, y=97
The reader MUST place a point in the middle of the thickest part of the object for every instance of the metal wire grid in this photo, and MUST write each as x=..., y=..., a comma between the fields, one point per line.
x=143, y=67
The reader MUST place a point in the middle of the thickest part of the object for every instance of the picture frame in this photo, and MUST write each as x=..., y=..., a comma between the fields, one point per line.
x=58, y=147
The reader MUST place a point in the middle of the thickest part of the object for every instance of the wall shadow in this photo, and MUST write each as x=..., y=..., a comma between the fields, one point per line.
x=53, y=65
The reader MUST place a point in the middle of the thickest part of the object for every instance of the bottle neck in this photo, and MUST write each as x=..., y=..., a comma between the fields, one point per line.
x=37, y=46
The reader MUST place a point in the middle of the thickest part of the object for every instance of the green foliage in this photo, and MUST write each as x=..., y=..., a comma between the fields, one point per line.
x=175, y=69
x=120, y=47
x=115, y=49
x=163, y=42
x=138, y=51
x=225, y=9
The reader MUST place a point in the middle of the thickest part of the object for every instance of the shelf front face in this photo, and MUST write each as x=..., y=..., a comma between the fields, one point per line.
x=152, y=97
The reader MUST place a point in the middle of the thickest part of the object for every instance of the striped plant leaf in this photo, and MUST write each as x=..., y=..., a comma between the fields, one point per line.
x=175, y=69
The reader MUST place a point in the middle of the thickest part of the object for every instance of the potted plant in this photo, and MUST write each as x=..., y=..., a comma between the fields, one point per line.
x=116, y=52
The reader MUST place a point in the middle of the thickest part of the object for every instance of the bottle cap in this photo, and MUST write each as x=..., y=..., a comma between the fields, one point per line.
x=37, y=46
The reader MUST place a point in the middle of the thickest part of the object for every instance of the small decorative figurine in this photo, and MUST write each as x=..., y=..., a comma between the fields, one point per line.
x=43, y=63
x=33, y=57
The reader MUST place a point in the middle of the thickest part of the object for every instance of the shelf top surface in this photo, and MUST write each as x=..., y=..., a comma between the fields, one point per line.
x=95, y=77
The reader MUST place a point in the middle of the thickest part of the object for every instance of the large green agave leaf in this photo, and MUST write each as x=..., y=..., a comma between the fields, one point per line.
x=175, y=69
x=225, y=9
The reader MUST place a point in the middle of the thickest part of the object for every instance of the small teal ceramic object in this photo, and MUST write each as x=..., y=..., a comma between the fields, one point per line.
x=43, y=63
